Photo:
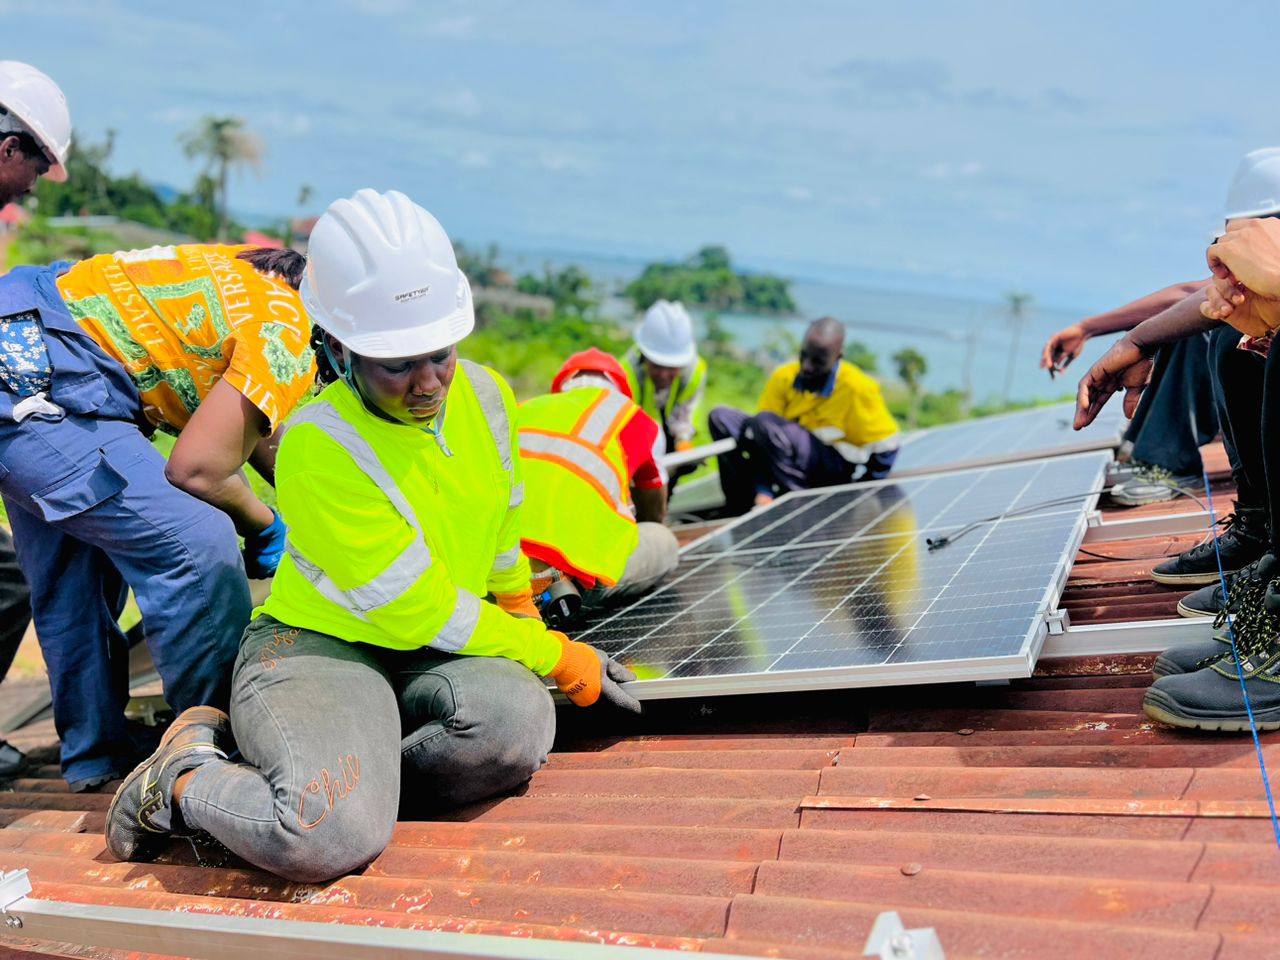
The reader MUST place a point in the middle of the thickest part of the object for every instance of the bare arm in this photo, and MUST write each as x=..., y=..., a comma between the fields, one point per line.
x=1176, y=323
x=651, y=505
x=210, y=451
x=1065, y=345
x=263, y=457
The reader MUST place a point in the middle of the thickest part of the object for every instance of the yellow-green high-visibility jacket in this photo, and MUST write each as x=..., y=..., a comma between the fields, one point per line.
x=392, y=541
x=681, y=403
x=577, y=513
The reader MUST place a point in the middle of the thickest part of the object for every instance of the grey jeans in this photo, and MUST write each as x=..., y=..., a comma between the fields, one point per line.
x=334, y=733
x=656, y=555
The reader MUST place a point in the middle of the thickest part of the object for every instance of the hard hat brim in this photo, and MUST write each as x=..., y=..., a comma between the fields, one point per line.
x=669, y=359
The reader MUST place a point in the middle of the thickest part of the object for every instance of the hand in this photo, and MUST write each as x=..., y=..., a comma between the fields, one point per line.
x=518, y=603
x=1249, y=254
x=263, y=550
x=585, y=674
x=1124, y=365
x=1251, y=314
x=1063, y=347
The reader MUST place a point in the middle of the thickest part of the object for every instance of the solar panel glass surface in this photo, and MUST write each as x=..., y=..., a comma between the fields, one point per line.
x=838, y=587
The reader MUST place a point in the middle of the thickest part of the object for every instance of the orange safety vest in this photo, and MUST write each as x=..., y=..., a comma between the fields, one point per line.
x=577, y=513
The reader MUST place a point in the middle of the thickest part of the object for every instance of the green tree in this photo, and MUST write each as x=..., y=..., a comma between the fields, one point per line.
x=861, y=356
x=911, y=367
x=224, y=145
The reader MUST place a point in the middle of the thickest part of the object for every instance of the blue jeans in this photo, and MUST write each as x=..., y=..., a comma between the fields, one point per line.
x=338, y=735
x=92, y=515
x=1176, y=415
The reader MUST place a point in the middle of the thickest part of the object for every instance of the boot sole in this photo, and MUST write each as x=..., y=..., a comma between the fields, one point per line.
x=1189, y=579
x=200, y=715
x=1185, y=611
x=1221, y=724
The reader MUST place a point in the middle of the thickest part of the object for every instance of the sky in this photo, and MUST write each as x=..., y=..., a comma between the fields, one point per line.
x=1080, y=152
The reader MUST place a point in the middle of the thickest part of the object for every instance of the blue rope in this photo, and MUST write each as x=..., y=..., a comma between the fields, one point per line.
x=1231, y=635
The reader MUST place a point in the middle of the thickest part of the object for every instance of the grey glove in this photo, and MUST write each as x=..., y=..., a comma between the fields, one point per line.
x=613, y=673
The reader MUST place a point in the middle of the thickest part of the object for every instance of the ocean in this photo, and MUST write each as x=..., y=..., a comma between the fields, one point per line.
x=965, y=343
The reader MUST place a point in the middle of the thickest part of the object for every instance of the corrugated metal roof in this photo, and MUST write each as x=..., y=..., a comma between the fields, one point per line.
x=1043, y=818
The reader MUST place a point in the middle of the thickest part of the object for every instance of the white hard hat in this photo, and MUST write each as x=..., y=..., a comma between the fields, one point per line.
x=1255, y=189
x=665, y=335
x=31, y=97
x=383, y=279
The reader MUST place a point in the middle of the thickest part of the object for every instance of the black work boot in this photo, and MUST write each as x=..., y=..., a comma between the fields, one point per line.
x=1248, y=581
x=1212, y=698
x=1190, y=657
x=1242, y=540
x=142, y=814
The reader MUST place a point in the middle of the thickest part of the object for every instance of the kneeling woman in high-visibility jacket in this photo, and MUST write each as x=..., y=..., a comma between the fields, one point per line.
x=376, y=658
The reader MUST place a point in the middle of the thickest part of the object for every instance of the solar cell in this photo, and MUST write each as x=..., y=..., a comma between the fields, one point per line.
x=837, y=587
x=1007, y=438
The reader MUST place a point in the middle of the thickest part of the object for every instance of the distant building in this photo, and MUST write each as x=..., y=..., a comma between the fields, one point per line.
x=256, y=238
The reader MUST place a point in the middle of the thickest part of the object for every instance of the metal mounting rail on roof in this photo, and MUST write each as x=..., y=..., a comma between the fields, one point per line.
x=216, y=937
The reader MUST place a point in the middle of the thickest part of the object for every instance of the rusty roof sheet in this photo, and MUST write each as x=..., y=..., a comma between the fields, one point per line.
x=1044, y=818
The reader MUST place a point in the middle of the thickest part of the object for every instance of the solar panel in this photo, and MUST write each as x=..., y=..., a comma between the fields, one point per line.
x=837, y=587
x=1007, y=438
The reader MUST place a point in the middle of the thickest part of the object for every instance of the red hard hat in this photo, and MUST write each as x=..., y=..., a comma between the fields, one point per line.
x=593, y=361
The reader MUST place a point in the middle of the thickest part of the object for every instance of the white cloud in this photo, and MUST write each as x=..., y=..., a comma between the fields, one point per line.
x=173, y=116
x=288, y=124
x=476, y=160
x=798, y=194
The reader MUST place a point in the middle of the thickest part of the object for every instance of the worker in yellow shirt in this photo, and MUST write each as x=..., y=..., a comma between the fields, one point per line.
x=822, y=422
x=377, y=663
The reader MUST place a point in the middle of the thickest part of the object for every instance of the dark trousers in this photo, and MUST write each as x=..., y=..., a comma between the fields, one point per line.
x=776, y=455
x=1176, y=415
x=1247, y=386
x=15, y=604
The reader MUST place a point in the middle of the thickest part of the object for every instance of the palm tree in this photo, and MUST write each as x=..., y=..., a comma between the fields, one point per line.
x=223, y=143
x=1017, y=308
x=911, y=368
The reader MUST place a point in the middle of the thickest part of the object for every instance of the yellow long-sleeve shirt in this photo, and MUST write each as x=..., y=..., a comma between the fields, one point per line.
x=853, y=412
x=343, y=523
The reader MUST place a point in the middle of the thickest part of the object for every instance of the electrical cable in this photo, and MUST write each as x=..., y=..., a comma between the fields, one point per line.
x=1244, y=690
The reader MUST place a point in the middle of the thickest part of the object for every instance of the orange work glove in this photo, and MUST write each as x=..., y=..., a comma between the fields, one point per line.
x=518, y=603
x=584, y=674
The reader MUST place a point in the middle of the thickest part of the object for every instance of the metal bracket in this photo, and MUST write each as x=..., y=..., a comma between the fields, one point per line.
x=1058, y=622
x=1093, y=518
x=15, y=886
x=890, y=940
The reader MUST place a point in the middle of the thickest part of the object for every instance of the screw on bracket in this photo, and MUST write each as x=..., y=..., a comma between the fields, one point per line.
x=890, y=940
x=13, y=921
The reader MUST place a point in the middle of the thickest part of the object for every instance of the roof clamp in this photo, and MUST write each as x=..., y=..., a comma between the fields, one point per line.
x=15, y=886
x=890, y=940
x=1058, y=622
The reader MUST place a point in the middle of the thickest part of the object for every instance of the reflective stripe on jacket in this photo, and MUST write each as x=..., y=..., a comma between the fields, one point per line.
x=578, y=516
x=393, y=540
x=684, y=396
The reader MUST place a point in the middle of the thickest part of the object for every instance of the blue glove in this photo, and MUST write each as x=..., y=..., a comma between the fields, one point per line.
x=263, y=550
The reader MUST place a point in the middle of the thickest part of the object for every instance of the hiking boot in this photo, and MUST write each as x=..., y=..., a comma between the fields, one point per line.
x=142, y=814
x=1152, y=484
x=1190, y=657
x=1243, y=539
x=1247, y=583
x=1205, y=602
x=1212, y=697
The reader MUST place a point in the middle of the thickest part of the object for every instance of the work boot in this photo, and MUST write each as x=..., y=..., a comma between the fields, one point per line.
x=1242, y=540
x=1190, y=657
x=142, y=813
x=1212, y=698
x=1250, y=580
x=12, y=760
x=1152, y=484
